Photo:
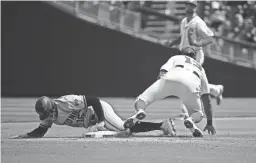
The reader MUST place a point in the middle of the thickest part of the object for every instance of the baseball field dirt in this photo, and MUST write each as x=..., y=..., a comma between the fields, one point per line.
x=235, y=141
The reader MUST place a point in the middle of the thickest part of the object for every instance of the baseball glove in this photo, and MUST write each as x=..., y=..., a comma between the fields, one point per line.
x=90, y=118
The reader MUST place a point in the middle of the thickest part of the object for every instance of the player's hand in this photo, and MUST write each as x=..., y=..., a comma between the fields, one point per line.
x=23, y=136
x=210, y=129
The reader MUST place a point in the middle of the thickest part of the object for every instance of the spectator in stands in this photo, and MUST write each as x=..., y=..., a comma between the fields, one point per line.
x=134, y=6
x=237, y=28
x=220, y=16
x=224, y=28
x=249, y=31
x=216, y=18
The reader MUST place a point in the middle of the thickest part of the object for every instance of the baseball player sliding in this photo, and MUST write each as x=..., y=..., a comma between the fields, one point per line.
x=184, y=78
x=195, y=33
x=87, y=112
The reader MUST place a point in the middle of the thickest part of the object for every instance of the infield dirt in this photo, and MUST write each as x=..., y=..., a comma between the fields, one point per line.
x=235, y=140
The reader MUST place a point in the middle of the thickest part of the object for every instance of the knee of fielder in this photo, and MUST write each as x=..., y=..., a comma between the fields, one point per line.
x=197, y=117
x=140, y=104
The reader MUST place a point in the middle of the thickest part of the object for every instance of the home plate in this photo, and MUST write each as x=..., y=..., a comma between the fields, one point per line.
x=101, y=134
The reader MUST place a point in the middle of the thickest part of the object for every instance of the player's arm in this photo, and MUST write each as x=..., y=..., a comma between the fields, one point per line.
x=98, y=123
x=95, y=103
x=38, y=132
x=206, y=99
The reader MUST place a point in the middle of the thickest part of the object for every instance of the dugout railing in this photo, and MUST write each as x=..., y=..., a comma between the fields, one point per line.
x=116, y=18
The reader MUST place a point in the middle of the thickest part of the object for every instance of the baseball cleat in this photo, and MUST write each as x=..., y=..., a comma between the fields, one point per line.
x=193, y=128
x=128, y=123
x=168, y=127
x=219, y=98
x=139, y=115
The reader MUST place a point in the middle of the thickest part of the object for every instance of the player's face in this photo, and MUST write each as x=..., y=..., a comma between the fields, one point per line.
x=190, y=8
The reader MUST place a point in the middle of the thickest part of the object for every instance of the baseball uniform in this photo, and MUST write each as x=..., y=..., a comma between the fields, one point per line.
x=70, y=111
x=185, y=79
x=200, y=31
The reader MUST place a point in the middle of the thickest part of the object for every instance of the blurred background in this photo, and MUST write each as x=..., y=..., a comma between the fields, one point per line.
x=113, y=48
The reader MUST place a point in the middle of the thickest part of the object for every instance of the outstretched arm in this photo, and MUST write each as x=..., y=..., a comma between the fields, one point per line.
x=206, y=99
x=36, y=133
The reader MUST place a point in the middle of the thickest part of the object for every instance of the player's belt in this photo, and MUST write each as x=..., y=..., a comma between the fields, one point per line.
x=182, y=66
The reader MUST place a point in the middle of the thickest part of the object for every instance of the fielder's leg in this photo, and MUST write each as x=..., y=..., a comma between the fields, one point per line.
x=184, y=113
x=167, y=126
x=194, y=107
x=158, y=90
x=112, y=121
x=217, y=91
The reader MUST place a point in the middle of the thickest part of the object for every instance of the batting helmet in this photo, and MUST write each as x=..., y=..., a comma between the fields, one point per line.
x=189, y=51
x=44, y=106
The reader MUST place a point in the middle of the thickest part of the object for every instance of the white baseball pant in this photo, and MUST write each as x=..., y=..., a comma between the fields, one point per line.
x=112, y=121
x=180, y=83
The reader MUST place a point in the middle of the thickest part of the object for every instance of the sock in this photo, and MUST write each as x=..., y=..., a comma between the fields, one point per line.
x=145, y=126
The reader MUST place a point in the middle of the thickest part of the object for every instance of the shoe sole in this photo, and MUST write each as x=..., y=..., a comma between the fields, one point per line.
x=140, y=116
x=197, y=132
x=188, y=124
x=129, y=123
